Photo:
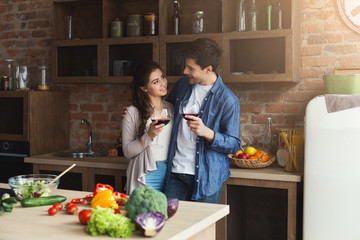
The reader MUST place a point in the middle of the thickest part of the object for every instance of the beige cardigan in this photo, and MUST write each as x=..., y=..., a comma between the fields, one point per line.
x=139, y=153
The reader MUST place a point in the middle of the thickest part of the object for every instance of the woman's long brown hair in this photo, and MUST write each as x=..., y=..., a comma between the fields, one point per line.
x=140, y=99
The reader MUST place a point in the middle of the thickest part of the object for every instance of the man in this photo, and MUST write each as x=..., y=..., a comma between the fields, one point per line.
x=197, y=169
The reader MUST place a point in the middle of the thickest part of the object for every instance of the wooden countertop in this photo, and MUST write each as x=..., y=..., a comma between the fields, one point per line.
x=96, y=162
x=273, y=172
x=35, y=223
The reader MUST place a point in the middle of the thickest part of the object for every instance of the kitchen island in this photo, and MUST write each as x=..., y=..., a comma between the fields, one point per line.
x=270, y=178
x=192, y=221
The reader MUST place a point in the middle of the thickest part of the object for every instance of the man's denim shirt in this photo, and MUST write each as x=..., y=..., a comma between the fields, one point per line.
x=220, y=111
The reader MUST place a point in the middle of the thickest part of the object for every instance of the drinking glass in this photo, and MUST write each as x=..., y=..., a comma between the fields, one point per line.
x=162, y=118
x=189, y=107
x=22, y=77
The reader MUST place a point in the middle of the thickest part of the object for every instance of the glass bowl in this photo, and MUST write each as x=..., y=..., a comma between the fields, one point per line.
x=33, y=185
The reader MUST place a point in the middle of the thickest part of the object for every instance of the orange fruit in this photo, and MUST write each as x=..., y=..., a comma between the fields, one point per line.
x=253, y=158
x=263, y=156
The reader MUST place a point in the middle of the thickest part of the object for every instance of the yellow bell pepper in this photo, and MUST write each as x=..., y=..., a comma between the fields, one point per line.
x=104, y=199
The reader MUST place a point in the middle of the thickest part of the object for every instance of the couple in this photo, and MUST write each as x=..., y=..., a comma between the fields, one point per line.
x=182, y=169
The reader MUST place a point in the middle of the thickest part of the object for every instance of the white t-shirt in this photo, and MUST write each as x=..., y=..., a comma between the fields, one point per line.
x=184, y=159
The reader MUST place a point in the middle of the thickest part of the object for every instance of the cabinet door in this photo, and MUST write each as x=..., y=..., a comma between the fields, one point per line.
x=122, y=55
x=77, y=61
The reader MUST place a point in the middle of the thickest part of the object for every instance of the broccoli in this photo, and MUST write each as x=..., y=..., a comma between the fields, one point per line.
x=146, y=199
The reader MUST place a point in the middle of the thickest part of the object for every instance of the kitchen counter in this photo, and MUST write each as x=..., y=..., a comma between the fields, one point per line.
x=88, y=168
x=273, y=172
x=192, y=221
x=120, y=163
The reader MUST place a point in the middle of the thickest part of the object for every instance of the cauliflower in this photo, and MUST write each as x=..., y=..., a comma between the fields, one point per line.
x=146, y=199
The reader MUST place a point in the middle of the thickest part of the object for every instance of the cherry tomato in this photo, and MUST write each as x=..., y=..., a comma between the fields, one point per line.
x=72, y=209
x=58, y=206
x=52, y=211
x=69, y=204
x=84, y=216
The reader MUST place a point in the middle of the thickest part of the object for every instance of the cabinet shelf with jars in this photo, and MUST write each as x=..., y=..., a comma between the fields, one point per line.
x=249, y=56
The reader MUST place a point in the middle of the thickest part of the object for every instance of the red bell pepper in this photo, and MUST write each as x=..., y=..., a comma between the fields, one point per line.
x=101, y=187
x=120, y=198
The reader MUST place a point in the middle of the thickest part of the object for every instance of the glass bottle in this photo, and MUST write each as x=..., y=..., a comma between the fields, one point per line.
x=241, y=17
x=11, y=74
x=269, y=14
x=253, y=15
x=198, y=24
x=268, y=136
x=176, y=18
x=280, y=16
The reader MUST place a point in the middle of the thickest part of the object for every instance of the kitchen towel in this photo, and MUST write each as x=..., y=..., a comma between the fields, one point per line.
x=337, y=102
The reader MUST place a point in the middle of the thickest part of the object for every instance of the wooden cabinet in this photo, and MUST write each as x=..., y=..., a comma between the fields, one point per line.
x=265, y=204
x=249, y=56
x=39, y=118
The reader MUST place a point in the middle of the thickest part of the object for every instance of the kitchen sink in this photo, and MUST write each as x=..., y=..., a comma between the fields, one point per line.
x=77, y=154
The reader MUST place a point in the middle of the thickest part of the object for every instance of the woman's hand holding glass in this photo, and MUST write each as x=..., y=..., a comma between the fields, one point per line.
x=158, y=123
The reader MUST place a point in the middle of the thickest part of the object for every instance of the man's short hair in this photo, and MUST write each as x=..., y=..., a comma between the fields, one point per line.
x=206, y=52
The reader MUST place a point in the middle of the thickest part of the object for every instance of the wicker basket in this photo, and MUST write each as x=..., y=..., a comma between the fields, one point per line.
x=250, y=163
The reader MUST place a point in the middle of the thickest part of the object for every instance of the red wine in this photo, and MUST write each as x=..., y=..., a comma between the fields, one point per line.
x=191, y=114
x=161, y=121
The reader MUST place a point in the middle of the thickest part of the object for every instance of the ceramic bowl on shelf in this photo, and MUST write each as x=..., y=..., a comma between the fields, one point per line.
x=342, y=84
x=33, y=185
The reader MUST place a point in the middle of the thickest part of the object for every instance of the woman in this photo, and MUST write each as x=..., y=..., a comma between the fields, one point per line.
x=146, y=142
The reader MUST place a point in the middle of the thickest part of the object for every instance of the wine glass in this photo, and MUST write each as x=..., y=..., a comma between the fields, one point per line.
x=162, y=118
x=189, y=107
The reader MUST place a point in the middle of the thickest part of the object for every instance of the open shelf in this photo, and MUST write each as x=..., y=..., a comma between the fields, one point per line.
x=248, y=56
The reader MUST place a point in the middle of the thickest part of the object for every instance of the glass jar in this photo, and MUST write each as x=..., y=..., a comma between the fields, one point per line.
x=150, y=24
x=10, y=74
x=199, y=24
x=5, y=83
x=134, y=25
x=116, y=28
x=43, y=78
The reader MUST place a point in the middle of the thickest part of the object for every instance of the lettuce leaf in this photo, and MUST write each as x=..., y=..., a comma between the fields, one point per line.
x=105, y=221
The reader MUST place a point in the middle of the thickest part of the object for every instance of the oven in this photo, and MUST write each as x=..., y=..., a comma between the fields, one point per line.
x=12, y=154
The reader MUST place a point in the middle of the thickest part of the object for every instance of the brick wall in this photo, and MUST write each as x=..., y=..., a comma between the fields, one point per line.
x=326, y=42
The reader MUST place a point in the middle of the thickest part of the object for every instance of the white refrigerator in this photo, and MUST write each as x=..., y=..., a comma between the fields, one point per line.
x=331, y=173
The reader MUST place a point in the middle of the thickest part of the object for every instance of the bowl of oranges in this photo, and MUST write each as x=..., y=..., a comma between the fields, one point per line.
x=251, y=157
